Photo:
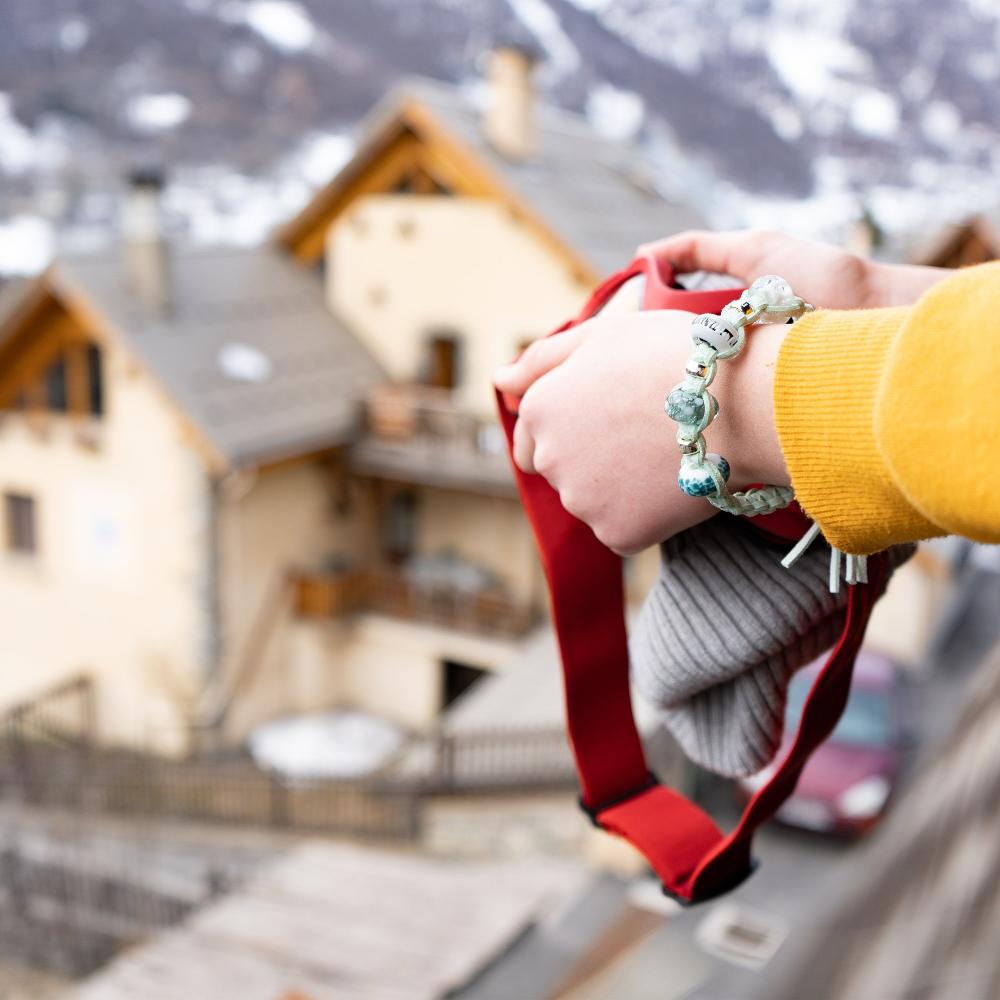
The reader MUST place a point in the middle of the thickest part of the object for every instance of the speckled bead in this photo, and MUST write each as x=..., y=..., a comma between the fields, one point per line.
x=685, y=407
x=698, y=481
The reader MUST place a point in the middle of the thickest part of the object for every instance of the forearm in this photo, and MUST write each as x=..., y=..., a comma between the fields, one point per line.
x=890, y=423
x=900, y=285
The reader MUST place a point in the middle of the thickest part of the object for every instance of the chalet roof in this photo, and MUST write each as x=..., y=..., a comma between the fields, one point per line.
x=599, y=196
x=252, y=298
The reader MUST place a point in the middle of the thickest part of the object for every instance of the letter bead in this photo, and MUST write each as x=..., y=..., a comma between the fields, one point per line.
x=714, y=331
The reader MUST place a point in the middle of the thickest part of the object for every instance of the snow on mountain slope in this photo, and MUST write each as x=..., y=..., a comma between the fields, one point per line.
x=784, y=111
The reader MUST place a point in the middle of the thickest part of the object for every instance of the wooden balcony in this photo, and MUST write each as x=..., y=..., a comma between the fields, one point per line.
x=417, y=434
x=485, y=611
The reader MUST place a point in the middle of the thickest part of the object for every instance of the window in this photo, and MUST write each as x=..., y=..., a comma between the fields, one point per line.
x=401, y=526
x=72, y=383
x=95, y=379
x=441, y=366
x=457, y=678
x=19, y=512
x=56, y=396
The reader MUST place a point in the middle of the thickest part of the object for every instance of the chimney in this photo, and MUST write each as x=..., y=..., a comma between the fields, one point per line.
x=147, y=264
x=509, y=121
x=863, y=235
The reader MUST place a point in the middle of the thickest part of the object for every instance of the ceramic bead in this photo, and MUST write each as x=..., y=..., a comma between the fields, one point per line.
x=714, y=331
x=698, y=481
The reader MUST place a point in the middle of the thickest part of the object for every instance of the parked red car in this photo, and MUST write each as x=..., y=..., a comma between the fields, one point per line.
x=846, y=785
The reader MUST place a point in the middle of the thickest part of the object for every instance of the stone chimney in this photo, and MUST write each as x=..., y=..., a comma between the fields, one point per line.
x=147, y=263
x=863, y=235
x=509, y=121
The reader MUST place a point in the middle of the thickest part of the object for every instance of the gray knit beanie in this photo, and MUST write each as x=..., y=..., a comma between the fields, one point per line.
x=723, y=630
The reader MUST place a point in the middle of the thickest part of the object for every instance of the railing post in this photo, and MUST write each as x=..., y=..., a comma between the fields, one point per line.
x=445, y=754
x=20, y=755
x=279, y=800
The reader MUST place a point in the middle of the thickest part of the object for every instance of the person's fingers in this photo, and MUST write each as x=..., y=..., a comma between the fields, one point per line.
x=524, y=447
x=537, y=359
x=699, y=250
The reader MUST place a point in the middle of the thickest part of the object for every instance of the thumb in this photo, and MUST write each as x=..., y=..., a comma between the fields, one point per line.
x=539, y=357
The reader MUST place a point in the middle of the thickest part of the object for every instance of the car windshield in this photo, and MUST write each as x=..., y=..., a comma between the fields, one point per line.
x=865, y=721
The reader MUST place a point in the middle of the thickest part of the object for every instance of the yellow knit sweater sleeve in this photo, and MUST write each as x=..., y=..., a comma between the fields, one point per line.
x=889, y=419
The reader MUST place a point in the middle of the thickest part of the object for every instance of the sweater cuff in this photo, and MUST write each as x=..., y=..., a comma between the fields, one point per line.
x=826, y=382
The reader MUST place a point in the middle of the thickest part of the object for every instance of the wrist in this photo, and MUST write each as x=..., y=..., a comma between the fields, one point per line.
x=747, y=433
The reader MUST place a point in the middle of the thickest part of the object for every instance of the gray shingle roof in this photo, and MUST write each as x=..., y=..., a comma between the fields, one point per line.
x=599, y=195
x=260, y=298
x=12, y=294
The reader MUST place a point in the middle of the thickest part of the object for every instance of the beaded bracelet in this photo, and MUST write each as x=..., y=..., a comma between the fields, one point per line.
x=717, y=338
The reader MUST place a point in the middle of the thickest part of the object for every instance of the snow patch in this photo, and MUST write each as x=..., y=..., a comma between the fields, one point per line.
x=74, y=33
x=984, y=66
x=217, y=204
x=616, y=114
x=786, y=121
x=940, y=122
x=325, y=745
x=244, y=363
x=17, y=144
x=286, y=25
x=321, y=156
x=809, y=63
x=539, y=18
x=157, y=112
x=26, y=245
x=876, y=114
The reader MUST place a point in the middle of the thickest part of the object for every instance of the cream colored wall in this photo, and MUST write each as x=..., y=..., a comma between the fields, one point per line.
x=401, y=266
x=287, y=518
x=117, y=588
x=269, y=523
x=393, y=668
x=489, y=531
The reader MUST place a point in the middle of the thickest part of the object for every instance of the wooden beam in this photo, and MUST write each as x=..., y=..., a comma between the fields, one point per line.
x=78, y=380
x=475, y=178
x=33, y=349
x=305, y=236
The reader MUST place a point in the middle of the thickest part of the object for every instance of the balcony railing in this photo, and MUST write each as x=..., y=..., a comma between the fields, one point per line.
x=484, y=610
x=419, y=434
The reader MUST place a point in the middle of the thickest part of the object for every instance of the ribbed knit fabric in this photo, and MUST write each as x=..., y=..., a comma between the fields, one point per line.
x=721, y=633
x=889, y=419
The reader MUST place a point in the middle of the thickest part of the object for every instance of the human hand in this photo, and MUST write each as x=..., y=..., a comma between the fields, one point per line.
x=824, y=275
x=591, y=422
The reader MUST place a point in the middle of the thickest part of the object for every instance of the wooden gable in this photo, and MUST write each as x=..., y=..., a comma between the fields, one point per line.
x=973, y=242
x=49, y=360
x=414, y=153
x=55, y=327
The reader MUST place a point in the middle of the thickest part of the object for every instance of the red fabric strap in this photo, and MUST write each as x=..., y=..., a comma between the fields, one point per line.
x=689, y=853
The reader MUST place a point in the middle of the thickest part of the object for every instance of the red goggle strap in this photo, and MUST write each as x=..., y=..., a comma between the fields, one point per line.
x=689, y=853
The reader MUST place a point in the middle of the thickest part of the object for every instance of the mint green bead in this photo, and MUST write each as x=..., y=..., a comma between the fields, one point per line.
x=685, y=407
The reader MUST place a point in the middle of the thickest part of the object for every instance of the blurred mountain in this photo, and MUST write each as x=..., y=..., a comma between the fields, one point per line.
x=810, y=109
